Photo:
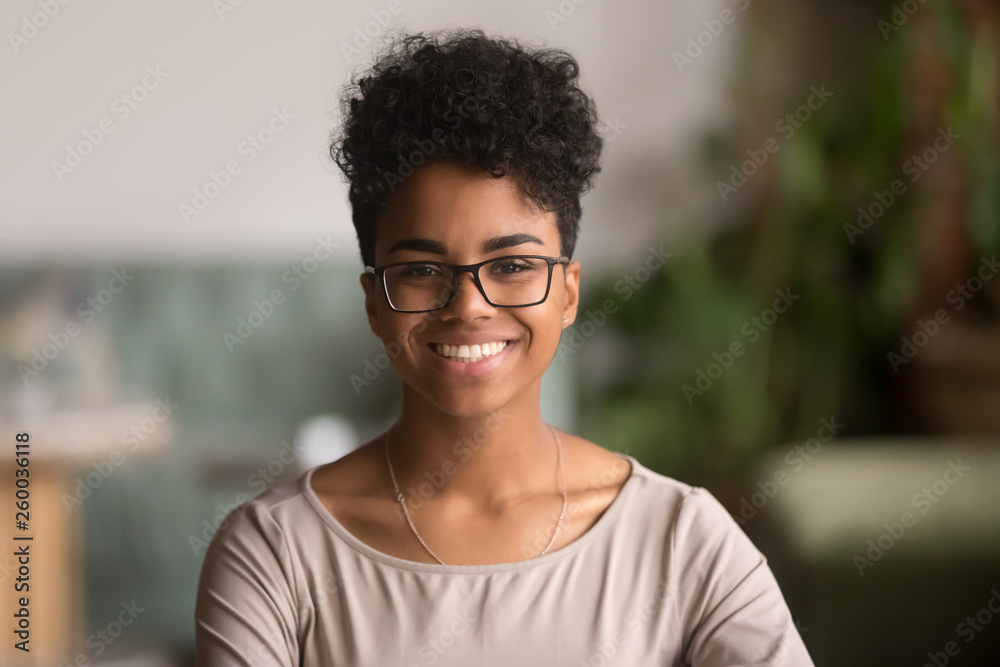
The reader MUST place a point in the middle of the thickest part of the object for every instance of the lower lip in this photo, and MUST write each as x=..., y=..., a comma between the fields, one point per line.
x=484, y=365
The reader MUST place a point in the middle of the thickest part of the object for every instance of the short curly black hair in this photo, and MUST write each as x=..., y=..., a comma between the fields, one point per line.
x=462, y=96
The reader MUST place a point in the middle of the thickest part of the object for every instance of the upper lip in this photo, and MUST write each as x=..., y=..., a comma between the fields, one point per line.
x=470, y=339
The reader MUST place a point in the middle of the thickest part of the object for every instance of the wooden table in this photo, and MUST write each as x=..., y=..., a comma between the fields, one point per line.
x=64, y=449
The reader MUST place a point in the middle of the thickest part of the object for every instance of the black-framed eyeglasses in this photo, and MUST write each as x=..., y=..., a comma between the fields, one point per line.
x=514, y=281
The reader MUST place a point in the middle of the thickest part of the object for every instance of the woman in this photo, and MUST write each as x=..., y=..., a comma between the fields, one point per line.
x=472, y=532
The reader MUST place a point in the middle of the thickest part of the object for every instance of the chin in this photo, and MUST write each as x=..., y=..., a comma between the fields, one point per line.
x=463, y=402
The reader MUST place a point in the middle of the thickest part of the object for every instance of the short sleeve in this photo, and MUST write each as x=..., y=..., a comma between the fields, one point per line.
x=731, y=607
x=245, y=614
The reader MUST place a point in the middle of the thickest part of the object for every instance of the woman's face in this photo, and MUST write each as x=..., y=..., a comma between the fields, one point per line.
x=457, y=215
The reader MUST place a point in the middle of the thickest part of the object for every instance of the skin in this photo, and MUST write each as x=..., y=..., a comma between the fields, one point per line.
x=498, y=502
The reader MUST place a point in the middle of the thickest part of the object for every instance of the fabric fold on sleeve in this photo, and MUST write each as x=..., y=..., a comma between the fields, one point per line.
x=735, y=612
x=245, y=614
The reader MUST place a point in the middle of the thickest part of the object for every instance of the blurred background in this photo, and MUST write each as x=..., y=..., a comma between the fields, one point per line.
x=181, y=325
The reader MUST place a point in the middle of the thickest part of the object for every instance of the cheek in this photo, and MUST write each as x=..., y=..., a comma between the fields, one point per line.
x=546, y=330
x=398, y=332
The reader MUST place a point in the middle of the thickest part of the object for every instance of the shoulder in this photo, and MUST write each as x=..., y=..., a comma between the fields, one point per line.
x=253, y=524
x=661, y=494
x=695, y=522
x=248, y=599
x=723, y=592
x=257, y=545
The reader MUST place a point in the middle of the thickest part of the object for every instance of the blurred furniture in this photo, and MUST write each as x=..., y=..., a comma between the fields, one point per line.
x=870, y=589
x=70, y=453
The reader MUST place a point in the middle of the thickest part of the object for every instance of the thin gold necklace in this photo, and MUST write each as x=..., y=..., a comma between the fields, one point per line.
x=406, y=512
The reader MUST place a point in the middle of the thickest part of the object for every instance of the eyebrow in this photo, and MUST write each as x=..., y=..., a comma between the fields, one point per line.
x=492, y=245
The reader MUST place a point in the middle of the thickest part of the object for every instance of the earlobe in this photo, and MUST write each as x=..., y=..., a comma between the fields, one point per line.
x=572, y=293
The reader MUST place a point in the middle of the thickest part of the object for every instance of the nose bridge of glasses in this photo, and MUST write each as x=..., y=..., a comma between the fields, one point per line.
x=458, y=276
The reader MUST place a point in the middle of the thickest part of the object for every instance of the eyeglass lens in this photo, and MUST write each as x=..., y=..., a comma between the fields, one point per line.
x=512, y=281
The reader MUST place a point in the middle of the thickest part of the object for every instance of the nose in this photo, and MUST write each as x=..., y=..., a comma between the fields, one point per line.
x=468, y=302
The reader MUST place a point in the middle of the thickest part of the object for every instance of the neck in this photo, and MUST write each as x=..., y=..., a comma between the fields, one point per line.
x=490, y=460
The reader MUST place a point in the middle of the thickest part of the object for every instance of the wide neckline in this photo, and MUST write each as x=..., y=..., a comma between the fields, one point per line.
x=593, y=533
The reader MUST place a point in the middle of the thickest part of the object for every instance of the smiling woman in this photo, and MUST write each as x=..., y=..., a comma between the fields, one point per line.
x=526, y=545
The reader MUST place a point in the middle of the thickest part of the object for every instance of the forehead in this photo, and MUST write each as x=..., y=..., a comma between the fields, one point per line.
x=461, y=206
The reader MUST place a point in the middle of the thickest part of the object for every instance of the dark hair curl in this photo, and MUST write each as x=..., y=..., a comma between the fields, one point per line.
x=464, y=97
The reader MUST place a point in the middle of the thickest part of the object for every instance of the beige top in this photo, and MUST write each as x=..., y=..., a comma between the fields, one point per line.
x=664, y=577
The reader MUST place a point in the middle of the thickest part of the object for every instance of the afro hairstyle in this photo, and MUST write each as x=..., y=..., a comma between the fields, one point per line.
x=464, y=97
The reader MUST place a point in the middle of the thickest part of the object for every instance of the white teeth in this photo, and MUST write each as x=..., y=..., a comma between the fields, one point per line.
x=469, y=353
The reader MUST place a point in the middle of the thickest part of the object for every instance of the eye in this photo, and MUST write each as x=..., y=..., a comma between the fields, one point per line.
x=420, y=271
x=511, y=266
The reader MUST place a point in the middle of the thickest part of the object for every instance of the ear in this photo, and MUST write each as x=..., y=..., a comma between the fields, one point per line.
x=368, y=285
x=571, y=301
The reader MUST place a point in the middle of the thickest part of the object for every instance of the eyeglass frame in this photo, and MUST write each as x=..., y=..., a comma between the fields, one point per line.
x=457, y=270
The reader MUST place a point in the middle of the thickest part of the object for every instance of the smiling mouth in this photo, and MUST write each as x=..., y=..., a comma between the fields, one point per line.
x=468, y=354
